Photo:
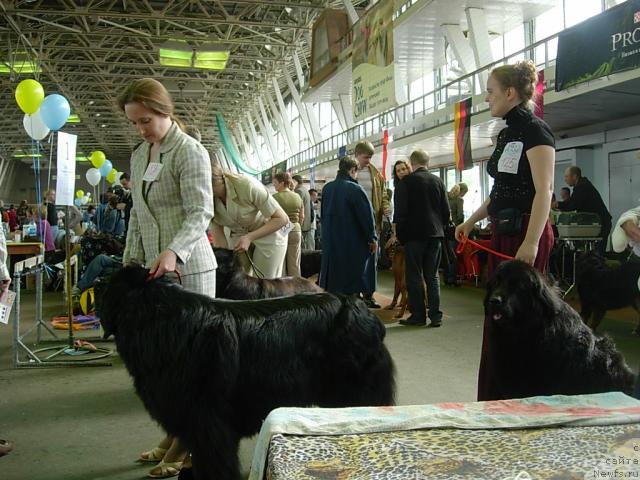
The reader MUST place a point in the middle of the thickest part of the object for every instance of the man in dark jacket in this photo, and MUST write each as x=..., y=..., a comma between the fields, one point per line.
x=421, y=212
x=349, y=238
x=585, y=198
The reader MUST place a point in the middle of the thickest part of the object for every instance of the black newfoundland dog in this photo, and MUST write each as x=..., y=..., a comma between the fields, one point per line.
x=602, y=287
x=539, y=345
x=209, y=371
x=234, y=283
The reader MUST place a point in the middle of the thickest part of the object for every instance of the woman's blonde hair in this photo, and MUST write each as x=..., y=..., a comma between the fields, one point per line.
x=458, y=189
x=153, y=95
x=522, y=76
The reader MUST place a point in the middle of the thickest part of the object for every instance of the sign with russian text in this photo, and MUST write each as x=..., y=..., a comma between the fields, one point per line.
x=372, y=64
x=612, y=40
x=66, y=172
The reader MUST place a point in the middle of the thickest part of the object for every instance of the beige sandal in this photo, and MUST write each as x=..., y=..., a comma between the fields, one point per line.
x=169, y=469
x=156, y=455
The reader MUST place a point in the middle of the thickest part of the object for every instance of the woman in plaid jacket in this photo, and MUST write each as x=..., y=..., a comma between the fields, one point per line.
x=172, y=208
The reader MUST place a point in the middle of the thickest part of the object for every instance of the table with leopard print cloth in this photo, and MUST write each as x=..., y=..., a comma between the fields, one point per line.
x=560, y=437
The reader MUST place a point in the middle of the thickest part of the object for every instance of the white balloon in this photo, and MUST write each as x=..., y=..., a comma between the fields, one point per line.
x=84, y=200
x=93, y=176
x=34, y=126
x=118, y=175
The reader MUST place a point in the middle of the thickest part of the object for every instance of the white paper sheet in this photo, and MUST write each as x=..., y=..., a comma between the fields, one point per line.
x=66, y=178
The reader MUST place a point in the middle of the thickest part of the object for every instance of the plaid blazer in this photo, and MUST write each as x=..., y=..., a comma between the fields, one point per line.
x=174, y=211
x=4, y=271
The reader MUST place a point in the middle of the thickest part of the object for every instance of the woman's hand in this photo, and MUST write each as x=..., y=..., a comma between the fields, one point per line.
x=166, y=262
x=393, y=239
x=4, y=287
x=527, y=253
x=632, y=230
x=462, y=230
x=244, y=242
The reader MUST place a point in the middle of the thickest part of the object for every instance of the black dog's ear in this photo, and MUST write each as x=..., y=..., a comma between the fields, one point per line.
x=548, y=295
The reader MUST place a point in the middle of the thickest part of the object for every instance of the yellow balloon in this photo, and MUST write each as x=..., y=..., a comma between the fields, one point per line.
x=29, y=95
x=97, y=158
x=111, y=177
x=80, y=194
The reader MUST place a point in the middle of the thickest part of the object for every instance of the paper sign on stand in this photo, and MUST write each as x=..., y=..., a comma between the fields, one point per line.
x=65, y=182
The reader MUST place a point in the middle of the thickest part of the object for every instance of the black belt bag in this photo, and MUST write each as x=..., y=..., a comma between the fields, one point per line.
x=509, y=221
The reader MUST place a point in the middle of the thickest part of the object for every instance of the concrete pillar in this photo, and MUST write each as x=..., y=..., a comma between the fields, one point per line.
x=351, y=11
x=293, y=141
x=304, y=114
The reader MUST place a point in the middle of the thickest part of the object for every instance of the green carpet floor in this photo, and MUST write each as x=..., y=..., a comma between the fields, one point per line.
x=87, y=423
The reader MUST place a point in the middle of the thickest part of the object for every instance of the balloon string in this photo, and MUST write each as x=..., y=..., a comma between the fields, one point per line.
x=35, y=146
x=51, y=135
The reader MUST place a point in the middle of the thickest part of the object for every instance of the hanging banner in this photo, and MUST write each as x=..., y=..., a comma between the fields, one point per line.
x=267, y=175
x=385, y=153
x=372, y=64
x=462, y=129
x=538, y=98
x=312, y=173
x=602, y=45
x=66, y=171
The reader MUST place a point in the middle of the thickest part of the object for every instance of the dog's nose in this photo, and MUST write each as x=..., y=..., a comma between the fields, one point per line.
x=495, y=300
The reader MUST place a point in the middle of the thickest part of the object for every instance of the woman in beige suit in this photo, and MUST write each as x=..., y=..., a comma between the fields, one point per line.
x=172, y=208
x=291, y=203
x=257, y=224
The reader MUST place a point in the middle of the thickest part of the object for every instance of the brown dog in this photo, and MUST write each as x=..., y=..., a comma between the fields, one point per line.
x=233, y=283
x=395, y=251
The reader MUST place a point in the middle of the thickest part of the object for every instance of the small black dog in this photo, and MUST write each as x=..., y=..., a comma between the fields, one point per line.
x=310, y=263
x=601, y=288
x=234, y=283
x=538, y=345
x=209, y=371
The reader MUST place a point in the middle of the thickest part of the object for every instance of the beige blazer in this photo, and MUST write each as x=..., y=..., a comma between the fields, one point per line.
x=174, y=211
x=248, y=207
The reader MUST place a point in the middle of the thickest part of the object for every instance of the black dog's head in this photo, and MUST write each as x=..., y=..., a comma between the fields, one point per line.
x=228, y=264
x=591, y=263
x=117, y=292
x=121, y=292
x=520, y=298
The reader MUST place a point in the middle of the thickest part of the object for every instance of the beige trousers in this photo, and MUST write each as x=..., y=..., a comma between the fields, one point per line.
x=292, y=260
x=267, y=254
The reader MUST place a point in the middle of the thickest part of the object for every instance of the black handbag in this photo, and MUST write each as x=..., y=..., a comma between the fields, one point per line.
x=509, y=221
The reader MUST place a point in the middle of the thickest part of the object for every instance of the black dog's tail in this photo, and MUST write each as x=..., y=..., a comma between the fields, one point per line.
x=357, y=360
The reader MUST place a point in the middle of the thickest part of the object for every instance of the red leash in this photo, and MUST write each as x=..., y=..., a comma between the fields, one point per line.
x=465, y=240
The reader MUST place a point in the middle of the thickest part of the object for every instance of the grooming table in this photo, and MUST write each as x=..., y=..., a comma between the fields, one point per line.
x=568, y=437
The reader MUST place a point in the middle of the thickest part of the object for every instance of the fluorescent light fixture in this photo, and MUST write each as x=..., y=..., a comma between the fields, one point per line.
x=19, y=66
x=27, y=155
x=182, y=55
x=268, y=47
x=73, y=118
x=81, y=159
x=176, y=53
x=211, y=57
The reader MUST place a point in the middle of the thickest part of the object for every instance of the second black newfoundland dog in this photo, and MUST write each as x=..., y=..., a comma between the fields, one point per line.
x=209, y=371
x=539, y=345
x=602, y=287
x=234, y=283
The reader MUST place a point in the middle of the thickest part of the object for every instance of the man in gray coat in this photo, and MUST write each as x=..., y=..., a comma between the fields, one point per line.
x=309, y=223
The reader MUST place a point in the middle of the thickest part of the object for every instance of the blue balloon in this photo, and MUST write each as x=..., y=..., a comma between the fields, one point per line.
x=105, y=168
x=77, y=202
x=54, y=111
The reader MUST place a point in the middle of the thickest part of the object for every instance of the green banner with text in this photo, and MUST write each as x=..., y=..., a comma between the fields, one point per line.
x=602, y=45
